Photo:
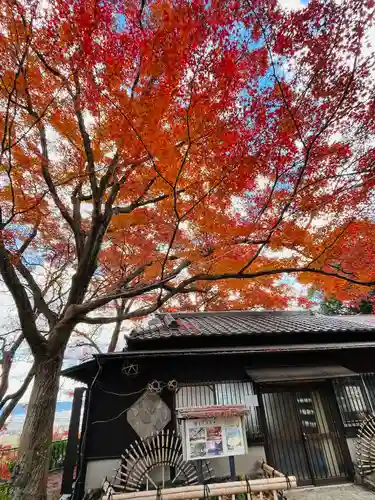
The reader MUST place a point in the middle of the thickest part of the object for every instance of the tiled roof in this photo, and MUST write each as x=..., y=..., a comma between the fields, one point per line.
x=363, y=319
x=246, y=323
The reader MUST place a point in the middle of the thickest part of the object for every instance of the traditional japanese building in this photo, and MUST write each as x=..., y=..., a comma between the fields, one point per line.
x=306, y=382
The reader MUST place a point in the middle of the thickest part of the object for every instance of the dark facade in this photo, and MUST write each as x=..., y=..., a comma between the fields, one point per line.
x=312, y=375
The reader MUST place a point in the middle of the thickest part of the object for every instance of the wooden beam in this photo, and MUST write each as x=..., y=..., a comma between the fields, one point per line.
x=216, y=489
x=271, y=471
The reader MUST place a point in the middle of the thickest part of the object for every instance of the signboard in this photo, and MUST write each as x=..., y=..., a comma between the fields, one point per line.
x=251, y=401
x=214, y=437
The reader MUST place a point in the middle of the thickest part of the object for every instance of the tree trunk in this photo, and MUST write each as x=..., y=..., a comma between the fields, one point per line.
x=30, y=475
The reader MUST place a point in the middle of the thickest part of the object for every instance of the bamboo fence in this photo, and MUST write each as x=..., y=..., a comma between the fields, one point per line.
x=263, y=489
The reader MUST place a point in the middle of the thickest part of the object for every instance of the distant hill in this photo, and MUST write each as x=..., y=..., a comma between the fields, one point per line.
x=10, y=435
x=60, y=406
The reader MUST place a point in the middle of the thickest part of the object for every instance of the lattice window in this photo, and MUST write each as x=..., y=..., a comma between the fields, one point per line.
x=233, y=392
x=355, y=398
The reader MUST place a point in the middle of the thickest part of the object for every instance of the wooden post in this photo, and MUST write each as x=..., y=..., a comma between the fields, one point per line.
x=72, y=445
x=232, y=468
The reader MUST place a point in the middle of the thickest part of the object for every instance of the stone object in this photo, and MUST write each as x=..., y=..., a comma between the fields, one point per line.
x=148, y=415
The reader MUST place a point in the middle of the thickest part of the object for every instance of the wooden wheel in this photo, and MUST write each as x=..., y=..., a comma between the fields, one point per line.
x=366, y=446
x=147, y=465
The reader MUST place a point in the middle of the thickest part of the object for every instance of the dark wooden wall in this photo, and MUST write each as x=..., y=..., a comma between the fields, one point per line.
x=110, y=438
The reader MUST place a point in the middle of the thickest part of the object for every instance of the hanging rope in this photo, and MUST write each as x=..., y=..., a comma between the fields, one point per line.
x=288, y=483
x=206, y=491
x=263, y=469
x=158, y=492
x=248, y=488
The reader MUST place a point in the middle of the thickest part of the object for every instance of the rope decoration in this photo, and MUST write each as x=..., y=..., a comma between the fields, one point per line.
x=172, y=385
x=130, y=369
x=154, y=387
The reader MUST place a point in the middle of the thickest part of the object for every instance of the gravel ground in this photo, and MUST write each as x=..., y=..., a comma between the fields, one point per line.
x=337, y=492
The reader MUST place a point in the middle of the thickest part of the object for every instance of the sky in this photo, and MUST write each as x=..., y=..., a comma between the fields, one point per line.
x=8, y=321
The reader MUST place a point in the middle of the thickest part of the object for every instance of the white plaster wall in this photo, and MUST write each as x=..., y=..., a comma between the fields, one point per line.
x=352, y=449
x=245, y=464
x=248, y=464
x=97, y=470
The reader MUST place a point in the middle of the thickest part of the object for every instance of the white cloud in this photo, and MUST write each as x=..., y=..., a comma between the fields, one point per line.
x=284, y=253
x=291, y=4
x=262, y=181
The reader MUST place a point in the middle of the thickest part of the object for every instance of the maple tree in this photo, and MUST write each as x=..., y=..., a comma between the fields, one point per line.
x=164, y=149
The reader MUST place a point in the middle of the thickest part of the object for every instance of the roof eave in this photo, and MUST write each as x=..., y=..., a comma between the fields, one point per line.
x=90, y=366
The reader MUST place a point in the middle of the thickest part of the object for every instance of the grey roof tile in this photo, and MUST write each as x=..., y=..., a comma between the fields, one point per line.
x=222, y=323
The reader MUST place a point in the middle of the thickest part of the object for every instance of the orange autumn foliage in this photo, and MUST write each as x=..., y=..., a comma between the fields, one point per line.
x=176, y=146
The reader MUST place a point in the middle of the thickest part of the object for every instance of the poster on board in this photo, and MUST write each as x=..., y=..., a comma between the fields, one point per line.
x=214, y=437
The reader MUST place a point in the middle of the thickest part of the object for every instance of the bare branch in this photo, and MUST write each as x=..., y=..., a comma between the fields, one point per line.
x=14, y=398
x=137, y=204
x=121, y=308
x=90, y=341
x=40, y=303
x=47, y=176
x=30, y=238
x=79, y=311
x=25, y=311
x=139, y=137
x=86, y=141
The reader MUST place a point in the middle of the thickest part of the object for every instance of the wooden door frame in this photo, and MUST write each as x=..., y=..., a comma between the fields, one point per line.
x=263, y=427
x=337, y=420
x=326, y=390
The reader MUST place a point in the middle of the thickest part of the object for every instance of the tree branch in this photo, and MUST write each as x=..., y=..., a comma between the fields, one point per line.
x=90, y=342
x=137, y=204
x=121, y=308
x=30, y=238
x=86, y=141
x=25, y=311
x=47, y=176
x=39, y=301
x=15, y=397
x=182, y=287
